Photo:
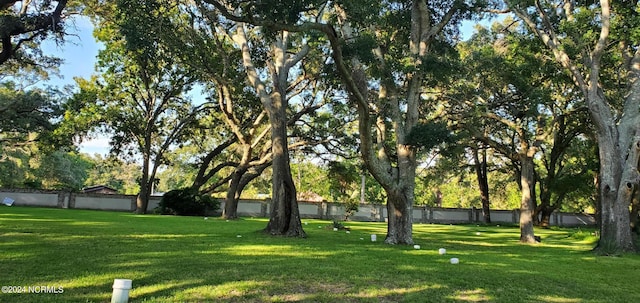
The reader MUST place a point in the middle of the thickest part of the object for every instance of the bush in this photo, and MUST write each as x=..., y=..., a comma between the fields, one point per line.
x=350, y=208
x=187, y=202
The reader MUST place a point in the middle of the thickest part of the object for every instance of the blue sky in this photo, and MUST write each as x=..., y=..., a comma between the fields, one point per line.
x=78, y=52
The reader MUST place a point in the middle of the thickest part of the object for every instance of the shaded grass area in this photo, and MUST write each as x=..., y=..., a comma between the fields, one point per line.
x=188, y=259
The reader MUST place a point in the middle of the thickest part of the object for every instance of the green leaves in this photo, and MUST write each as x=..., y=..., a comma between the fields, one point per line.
x=26, y=111
x=361, y=47
x=429, y=135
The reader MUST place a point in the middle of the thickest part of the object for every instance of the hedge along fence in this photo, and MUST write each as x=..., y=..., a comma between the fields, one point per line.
x=310, y=210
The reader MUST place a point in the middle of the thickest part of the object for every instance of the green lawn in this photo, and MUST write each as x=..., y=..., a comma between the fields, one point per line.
x=189, y=259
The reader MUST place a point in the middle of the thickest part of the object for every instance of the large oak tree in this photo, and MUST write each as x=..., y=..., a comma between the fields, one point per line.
x=384, y=53
x=517, y=102
x=144, y=93
x=595, y=43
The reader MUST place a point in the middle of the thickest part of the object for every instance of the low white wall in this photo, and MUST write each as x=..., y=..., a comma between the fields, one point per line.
x=250, y=208
x=505, y=216
x=576, y=219
x=419, y=214
x=450, y=215
x=368, y=212
x=262, y=208
x=122, y=203
x=31, y=198
x=154, y=202
x=309, y=210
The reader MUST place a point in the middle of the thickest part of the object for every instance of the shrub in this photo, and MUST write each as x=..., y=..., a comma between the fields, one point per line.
x=350, y=208
x=187, y=202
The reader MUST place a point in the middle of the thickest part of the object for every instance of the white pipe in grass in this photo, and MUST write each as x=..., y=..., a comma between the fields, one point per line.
x=121, y=289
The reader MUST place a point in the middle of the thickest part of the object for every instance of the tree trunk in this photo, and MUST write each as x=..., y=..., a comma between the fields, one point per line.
x=544, y=213
x=617, y=133
x=362, y=188
x=634, y=216
x=285, y=216
x=142, y=200
x=618, y=150
x=526, y=204
x=615, y=229
x=483, y=183
x=400, y=216
x=230, y=210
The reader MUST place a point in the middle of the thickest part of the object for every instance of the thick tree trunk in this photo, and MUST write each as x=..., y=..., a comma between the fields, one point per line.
x=543, y=211
x=483, y=183
x=484, y=196
x=401, y=197
x=619, y=150
x=142, y=200
x=230, y=210
x=400, y=216
x=634, y=216
x=617, y=132
x=285, y=216
x=615, y=229
x=544, y=214
x=526, y=204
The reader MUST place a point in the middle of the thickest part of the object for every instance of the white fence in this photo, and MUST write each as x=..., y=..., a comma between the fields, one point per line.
x=261, y=208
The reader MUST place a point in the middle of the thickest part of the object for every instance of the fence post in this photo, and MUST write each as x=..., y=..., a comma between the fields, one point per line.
x=134, y=204
x=325, y=210
x=63, y=199
x=72, y=200
x=264, y=207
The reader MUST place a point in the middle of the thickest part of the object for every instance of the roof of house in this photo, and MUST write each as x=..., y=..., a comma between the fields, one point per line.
x=95, y=188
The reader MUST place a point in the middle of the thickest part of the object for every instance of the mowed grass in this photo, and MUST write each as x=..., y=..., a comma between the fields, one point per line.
x=189, y=259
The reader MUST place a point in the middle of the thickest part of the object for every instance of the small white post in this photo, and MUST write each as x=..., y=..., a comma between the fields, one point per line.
x=373, y=238
x=121, y=289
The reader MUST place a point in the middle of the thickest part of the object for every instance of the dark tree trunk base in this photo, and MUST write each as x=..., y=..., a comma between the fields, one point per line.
x=400, y=225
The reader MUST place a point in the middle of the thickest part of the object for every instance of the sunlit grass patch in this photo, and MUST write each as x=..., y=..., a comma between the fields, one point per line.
x=473, y=295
